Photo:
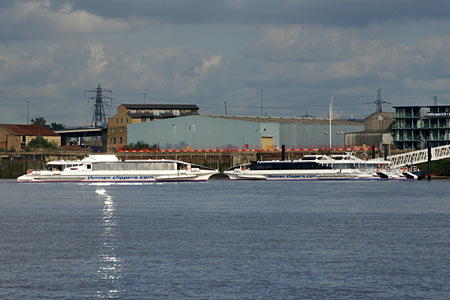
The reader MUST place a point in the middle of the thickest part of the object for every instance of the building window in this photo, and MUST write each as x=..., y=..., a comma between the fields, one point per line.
x=156, y=112
x=121, y=120
x=176, y=112
x=114, y=140
x=121, y=140
x=117, y=120
x=121, y=129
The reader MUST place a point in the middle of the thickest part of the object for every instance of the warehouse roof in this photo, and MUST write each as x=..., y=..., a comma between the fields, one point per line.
x=29, y=130
x=297, y=120
x=160, y=106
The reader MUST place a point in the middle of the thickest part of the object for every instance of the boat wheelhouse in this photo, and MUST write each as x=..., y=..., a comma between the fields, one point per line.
x=108, y=168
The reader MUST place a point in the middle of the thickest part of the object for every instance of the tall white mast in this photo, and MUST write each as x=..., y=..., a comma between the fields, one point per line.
x=330, y=117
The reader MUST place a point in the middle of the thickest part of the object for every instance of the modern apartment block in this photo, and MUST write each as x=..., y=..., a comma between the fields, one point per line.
x=415, y=126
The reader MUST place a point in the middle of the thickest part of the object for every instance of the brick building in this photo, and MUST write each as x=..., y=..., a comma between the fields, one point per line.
x=16, y=137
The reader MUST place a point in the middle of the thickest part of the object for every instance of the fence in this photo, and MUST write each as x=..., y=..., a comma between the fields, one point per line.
x=248, y=149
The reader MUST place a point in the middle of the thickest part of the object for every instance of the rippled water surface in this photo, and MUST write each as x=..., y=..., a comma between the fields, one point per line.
x=225, y=240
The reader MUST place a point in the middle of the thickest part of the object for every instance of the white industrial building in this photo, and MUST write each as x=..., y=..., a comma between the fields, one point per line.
x=203, y=131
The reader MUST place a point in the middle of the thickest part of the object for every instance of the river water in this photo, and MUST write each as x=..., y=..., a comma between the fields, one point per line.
x=225, y=240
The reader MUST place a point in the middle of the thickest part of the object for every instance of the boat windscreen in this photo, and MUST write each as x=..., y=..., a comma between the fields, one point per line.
x=244, y=166
x=200, y=167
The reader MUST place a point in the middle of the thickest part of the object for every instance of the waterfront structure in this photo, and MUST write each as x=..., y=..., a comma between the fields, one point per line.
x=415, y=126
x=377, y=131
x=228, y=132
x=138, y=113
x=17, y=136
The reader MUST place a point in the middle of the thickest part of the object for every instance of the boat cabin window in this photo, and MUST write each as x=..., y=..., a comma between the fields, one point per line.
x=55, y=167
x=89, y=166
x=182, y=166
x=287, y=166
x=309, y=158
x=134, y=165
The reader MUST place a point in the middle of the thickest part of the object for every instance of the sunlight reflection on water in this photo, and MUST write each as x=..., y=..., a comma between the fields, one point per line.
x=110, y=268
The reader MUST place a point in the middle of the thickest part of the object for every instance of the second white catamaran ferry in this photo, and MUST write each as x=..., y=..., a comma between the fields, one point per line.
x=108, y=168
x=320, y=167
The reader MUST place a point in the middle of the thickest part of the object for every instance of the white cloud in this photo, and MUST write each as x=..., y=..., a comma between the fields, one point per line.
x=36, y=19
x=97, y=61
x=208, y=64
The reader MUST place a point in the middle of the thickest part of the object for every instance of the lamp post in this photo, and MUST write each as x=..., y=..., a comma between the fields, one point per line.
x=261, y=101
x=28, y=112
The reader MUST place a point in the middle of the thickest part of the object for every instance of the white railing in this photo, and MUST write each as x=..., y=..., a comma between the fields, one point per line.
x=420, y=156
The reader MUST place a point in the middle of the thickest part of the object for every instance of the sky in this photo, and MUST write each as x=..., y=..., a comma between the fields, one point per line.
x=294, y=55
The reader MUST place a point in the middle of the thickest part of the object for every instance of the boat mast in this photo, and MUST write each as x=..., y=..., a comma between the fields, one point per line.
x=330, y=117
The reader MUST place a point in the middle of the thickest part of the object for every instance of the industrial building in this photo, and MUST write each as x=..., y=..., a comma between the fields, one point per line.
x=137, y=113
x=377, y=131
x=415, y=126
x=16, y=136
x=203, y=131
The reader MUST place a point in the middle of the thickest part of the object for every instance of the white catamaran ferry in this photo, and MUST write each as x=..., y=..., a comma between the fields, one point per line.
x=108, y=168
x=319, y=167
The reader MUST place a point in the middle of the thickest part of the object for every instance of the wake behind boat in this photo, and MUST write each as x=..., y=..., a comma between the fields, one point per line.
x=319, y=167
x=108, y=168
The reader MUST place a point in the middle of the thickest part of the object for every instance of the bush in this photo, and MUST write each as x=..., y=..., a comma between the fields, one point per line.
x=438, y=167
x=140, y=145
x=40, y=143
x=6, y=150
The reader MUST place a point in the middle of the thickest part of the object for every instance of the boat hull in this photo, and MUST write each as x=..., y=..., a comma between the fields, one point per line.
x=114, y=178
x=233, y=175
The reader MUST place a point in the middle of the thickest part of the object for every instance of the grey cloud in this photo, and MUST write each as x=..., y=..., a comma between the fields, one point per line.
x=37, y=19
x=322, y=12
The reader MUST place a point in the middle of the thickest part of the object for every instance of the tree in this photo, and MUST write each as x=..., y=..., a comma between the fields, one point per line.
x=42, y=121
x=57, y=126
x=39, y=121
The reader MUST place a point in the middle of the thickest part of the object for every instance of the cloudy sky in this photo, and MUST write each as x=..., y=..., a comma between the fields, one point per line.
x=300, y=53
